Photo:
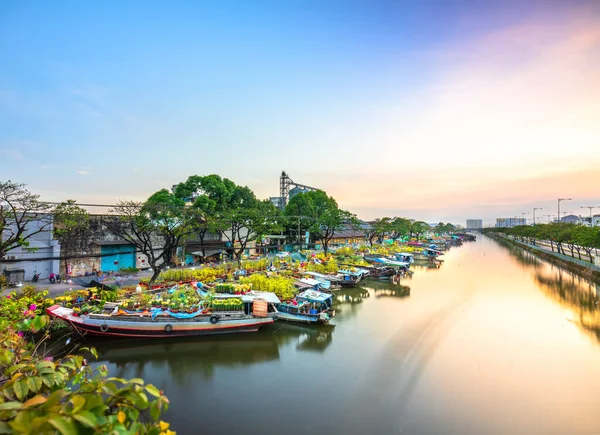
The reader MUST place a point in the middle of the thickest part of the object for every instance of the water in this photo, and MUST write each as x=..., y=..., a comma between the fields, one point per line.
x=495, y=341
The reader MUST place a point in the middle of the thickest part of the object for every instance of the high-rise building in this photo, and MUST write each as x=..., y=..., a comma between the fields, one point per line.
x=474, y=224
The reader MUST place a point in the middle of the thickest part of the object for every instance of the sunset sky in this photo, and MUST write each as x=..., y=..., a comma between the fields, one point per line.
x=435, y=110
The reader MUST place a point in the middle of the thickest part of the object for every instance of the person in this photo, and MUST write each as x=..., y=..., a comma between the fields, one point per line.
x=52, y=277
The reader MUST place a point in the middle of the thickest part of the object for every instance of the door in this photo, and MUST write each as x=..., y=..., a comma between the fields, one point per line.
x=117, y=257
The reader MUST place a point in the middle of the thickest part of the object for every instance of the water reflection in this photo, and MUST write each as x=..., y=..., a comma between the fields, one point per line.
x=386, y=289
x=579, y=294
x=347, y=302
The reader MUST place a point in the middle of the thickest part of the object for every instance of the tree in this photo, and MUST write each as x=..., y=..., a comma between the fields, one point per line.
x=400, y=227
x=70, y=222
x=22, y=215
x=320, y=213
x=418, y=228
x=382, y=227
x=588, y=238
x=232, y=210
x=155, y=227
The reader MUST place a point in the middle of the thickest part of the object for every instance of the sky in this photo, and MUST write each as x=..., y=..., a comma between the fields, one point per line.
x=433, y=110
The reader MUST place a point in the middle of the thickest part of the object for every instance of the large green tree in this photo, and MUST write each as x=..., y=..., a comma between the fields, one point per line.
x=230, y=209
x=418, y=228
x=320, y=214
x=400, y=227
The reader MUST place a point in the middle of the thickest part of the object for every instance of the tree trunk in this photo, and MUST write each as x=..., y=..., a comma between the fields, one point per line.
x=155, y=273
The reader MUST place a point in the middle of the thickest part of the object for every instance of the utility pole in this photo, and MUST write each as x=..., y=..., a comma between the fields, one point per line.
x=534, y=209
x=559, y=200
x=591, y=207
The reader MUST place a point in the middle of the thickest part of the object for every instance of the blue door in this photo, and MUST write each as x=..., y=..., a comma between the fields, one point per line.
x=121, y=257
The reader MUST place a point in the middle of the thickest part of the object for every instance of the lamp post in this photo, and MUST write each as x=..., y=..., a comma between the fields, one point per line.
x=591, y=207
x=534, y=209
x=559, y=200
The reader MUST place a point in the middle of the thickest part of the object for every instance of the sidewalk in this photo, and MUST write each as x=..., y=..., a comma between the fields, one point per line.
x=58, y=289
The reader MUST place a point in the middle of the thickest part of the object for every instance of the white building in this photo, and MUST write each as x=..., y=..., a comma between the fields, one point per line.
x=474, y=224
x=42, y=255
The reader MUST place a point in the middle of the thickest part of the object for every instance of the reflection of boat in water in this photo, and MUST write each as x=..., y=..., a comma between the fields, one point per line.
x=312, y=338
x=401, y=291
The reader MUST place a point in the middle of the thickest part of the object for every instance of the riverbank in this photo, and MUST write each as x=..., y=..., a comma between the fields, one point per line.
x=572, y=264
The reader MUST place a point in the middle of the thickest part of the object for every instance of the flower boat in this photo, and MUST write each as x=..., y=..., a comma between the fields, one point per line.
x=326, y=281
x=310, y=306
x=220, y=314
x=348, y=279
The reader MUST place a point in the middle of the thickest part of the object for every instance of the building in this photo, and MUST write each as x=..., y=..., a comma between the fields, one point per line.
x=571, y=219
x=594, y=221
x=510, y=222
x=296, y=190
x=42, y=255
x=474, y=224
x=349, y=234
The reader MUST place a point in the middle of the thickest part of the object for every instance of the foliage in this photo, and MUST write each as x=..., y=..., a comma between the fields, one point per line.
x=418, y=228
x=229, y=304
x=70, y=221
x=154, y=227
x=40, y=395
x=576, y=237
x=320, y=214
x=283, y=287
x=22, y=216
x=26, y=304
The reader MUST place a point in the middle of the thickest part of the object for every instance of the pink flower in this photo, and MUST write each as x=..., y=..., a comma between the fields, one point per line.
x=7, y=296
x=20, y=334
x=48, y=358
x=33, y=307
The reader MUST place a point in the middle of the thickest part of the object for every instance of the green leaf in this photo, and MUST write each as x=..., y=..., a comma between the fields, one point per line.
x=48, y=380
x=86, y=418
x=34, y=383
x=78, y=403
x=10, y=406
x=64, y=425
x=155, y=410
x=21, y=389
x=54, y=399
x=153, y=390
x=136, y=381
x=94, y=352
x=94, y=402
x=14, y=368
x=45, y=367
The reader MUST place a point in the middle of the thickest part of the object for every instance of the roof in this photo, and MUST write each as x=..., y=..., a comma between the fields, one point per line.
x=311, y=282
x=312, y=295
x=208, y=252
x=112, y=242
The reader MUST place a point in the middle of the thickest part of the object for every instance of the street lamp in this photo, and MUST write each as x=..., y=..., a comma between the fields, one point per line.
x=534, y=209
x=559, y=200
x=591, y=207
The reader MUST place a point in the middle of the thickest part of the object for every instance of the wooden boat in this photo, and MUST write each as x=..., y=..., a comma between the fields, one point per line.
x=258, y=310
x=327, y=281
x=309, y=306
x=348, y=280
x=382, y=273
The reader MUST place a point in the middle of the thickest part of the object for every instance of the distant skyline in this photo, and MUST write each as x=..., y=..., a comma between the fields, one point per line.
x=434, y=110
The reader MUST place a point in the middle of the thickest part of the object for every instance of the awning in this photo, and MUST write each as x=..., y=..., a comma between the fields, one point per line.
x=209, y=252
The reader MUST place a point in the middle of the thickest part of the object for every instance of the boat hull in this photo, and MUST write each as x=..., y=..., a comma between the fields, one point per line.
x=98, y=325
x=301, y=318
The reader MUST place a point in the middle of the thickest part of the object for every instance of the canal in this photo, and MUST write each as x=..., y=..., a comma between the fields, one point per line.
x=494, y=341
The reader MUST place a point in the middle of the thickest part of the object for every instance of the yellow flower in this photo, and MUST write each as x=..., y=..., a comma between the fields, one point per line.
x=163, y=425
x=121, y=417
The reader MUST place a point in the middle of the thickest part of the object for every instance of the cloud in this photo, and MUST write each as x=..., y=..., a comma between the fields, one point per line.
x=81, y=172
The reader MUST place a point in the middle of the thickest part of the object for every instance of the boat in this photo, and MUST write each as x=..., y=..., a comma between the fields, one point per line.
x=327, y=281
x=405, y=257
x=310, y=306
x=243, y=313
x=356, y=271
x=308, y=284
x=348, y=280
x=382, y=273
x=428, y=254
